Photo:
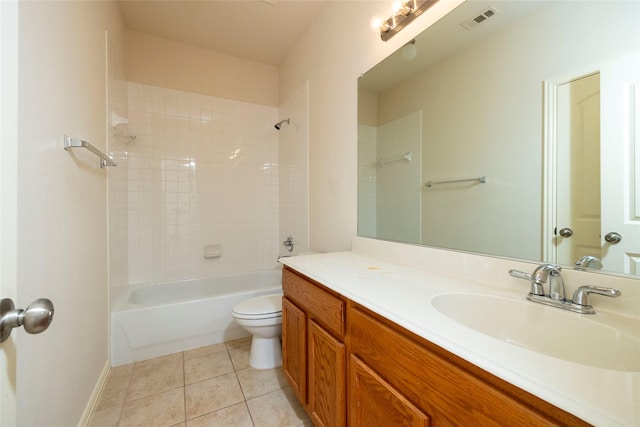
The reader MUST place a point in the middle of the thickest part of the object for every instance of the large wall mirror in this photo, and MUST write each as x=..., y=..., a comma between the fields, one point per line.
x=509, y=128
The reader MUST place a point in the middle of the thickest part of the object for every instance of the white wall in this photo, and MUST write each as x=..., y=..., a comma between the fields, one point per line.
x=337, y=48
x=202, y=171
x=160, y=62
x=293, y=153
x=62, y=205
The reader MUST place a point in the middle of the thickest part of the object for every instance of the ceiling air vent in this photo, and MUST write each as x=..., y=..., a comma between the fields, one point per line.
x=469, y=24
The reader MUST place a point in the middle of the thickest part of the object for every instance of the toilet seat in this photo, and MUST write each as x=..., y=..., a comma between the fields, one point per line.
x=261, y=307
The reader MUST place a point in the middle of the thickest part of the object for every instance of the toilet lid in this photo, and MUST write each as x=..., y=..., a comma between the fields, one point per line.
x=261, y=307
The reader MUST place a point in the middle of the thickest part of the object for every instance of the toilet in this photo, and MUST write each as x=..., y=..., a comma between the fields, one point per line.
x=262, y=317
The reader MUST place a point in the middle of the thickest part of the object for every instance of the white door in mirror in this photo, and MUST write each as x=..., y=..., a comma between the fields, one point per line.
x=620, y=156
x=578, y=179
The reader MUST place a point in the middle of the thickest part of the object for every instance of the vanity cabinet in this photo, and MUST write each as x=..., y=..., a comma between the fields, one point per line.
x=429, y=380
x=314, y=354
x=386, y=375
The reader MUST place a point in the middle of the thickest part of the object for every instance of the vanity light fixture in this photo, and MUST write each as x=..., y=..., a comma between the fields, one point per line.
x=403, y=13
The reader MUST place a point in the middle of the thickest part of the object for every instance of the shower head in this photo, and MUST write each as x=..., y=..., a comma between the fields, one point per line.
x=279, y=124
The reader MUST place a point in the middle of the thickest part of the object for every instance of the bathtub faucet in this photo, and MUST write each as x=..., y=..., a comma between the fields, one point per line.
x=289, y=243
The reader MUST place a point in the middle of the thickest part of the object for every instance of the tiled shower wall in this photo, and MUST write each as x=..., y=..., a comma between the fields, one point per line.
x=201, y=171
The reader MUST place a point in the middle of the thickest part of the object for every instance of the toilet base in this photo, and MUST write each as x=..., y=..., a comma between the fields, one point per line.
x=266, y=353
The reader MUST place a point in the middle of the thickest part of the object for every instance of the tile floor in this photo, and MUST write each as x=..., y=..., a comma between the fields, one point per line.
x=208, y=386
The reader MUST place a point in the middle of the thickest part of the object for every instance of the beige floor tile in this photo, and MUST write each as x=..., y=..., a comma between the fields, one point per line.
x=256, y=382
x=240, y=356
x=277, y=409
x=162, y=409
x=157, y=361
x=236, y=416
x=240, y=342
x=203, y=351
x=114, y=391
x=108, y=417
x=122, y=370
x=205, y=367
x=212, y=394
x=155, y=379
x=157, y=395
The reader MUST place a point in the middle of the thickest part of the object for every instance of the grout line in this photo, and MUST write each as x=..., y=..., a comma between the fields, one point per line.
x=246, y=405
x=184, y=389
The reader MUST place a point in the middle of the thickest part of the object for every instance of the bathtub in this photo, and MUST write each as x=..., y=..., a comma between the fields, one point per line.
x=157, y=319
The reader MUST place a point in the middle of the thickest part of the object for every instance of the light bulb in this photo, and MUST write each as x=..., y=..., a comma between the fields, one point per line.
x=375, y=23
x=405, y=9
x=379, y=24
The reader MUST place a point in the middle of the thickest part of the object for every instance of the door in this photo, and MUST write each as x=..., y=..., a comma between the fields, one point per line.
x=620, y=121
x=578, y=170
x=327, y=388
x=8, y=197
x=373, y=401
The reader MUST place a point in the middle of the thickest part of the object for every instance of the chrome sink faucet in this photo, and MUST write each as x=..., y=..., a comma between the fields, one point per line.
x=540, y=276
x=551, y=273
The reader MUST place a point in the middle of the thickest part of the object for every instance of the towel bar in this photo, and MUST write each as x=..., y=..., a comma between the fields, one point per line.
x=105, y=160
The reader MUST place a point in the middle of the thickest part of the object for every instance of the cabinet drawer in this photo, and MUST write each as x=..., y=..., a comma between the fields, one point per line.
x=324, y=307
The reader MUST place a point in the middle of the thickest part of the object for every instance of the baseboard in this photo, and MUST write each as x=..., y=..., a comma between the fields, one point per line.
x=95, y=396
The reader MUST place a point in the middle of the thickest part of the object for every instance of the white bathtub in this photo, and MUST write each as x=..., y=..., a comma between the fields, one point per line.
x=157, y=319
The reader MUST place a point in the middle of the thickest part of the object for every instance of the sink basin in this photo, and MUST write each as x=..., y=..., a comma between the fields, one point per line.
x=545, y=330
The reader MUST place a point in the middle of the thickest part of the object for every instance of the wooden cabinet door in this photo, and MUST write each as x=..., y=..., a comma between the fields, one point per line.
x=294, y=348
x=327, y=384
x=374, y=402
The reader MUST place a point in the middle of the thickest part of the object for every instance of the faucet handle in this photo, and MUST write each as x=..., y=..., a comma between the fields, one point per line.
x=581, y=295
x=519, y=274
x=536, y=288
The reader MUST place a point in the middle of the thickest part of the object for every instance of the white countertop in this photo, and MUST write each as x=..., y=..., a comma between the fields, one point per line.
x=403, y=295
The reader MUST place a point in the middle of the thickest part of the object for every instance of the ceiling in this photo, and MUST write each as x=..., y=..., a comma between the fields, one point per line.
x=257, y=30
